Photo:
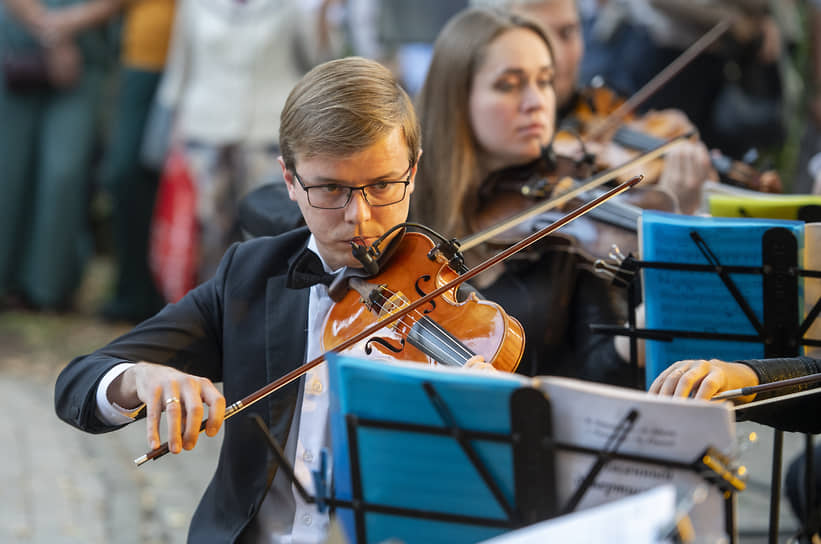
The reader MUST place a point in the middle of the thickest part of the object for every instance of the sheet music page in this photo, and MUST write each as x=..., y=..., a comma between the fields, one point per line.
x=638, y=520
x=772, y=206
x=812, y=286
x=699, y=301
x=585, y=414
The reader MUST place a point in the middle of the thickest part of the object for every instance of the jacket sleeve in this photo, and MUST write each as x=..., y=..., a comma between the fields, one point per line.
x=186, y=335
x=597, y=357
x=773, y=370
x=795, y=415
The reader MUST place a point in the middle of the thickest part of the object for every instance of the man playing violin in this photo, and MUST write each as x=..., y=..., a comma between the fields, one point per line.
x=350, y=145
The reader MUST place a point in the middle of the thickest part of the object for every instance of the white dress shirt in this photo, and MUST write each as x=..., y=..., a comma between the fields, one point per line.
x=284, y=518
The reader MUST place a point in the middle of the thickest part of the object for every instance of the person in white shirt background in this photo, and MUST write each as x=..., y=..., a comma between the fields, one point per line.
x=230, y=67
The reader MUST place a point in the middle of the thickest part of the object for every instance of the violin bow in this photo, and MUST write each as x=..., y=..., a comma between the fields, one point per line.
x=295, y=374
x=593, y=182
x=753, y=389
x=660, y=79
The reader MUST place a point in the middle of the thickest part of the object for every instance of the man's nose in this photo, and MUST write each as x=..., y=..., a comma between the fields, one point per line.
x=358, y=210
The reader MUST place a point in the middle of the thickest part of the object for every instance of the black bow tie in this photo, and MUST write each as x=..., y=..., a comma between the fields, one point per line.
x=307, y=270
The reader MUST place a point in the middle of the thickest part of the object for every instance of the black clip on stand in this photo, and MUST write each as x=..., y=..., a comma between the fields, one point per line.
x=781, y=334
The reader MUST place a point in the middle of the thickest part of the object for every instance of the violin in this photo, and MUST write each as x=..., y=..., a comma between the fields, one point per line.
x=510, y=206
x=447, y=331
x=395, y=315
x=619, y=136
x=600, y=115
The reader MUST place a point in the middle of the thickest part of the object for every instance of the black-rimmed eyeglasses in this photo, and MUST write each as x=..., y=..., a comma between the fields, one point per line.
x=333, y=196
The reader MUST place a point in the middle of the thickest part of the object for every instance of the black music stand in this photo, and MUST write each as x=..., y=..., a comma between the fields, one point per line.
x=449, y=473
x=780, y=332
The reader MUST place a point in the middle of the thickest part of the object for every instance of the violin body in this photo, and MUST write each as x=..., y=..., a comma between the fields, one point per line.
x=465, y=328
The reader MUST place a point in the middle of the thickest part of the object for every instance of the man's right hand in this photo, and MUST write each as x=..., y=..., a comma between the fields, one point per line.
x=181, y=396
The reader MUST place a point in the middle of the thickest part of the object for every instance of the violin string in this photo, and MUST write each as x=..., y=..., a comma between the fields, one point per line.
x=449, y=343
x=431, y=327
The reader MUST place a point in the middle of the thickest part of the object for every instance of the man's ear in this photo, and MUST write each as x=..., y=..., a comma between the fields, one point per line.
x=413, y=172
x=288, y=176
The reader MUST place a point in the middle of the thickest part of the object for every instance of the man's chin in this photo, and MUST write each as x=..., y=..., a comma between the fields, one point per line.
x=344, y=257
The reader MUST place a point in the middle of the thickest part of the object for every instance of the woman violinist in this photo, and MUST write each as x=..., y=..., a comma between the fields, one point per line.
x=685, y=167
x=488, y=104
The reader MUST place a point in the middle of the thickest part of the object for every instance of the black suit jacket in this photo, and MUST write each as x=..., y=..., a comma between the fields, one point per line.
x=243, y=328
x=795, y=415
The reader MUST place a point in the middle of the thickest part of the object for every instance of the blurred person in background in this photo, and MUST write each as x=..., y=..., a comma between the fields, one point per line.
x=399, y=34
x=54, y=57
x=488, y=106
x=739, y=91
x=131, y=183
x=230, y=67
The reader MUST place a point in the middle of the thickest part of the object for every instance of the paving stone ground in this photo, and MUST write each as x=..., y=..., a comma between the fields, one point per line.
x=59, y=485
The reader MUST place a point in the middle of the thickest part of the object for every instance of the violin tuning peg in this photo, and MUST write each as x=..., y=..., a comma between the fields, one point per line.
x=616, y=254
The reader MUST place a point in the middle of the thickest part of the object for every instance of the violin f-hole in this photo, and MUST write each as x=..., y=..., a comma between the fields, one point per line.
x=421, y=293
x=384, y=343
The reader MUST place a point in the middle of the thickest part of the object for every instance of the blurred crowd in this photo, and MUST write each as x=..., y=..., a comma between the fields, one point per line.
x=97, y=93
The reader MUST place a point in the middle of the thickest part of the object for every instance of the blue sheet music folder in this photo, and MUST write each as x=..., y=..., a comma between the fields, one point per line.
x=419, y=470
x=699, y=301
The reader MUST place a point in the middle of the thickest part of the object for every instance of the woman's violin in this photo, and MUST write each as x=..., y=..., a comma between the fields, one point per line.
x=520, y=200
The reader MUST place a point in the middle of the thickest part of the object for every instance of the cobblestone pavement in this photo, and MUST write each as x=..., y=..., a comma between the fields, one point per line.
x=60, y=485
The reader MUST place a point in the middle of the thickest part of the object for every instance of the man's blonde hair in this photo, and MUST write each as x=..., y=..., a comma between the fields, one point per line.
x=342, y=107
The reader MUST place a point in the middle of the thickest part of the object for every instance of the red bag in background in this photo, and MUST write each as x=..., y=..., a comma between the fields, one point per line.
x=174, y=241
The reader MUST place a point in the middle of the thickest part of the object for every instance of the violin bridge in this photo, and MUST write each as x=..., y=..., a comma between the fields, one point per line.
x=380, y=300
x=389, y=304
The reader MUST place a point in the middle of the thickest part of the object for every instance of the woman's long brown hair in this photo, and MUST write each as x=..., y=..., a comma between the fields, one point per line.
x=449, y=175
